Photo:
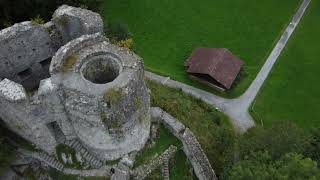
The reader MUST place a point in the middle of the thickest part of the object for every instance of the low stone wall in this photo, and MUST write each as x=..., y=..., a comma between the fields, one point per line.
x=144, y=170
x=191, y=146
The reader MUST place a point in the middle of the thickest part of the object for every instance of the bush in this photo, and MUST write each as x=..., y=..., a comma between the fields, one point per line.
x=217, y=138
x=312, y=149
x=278, y=139
x=260, y=165
x=127, y=43
x=37, y=20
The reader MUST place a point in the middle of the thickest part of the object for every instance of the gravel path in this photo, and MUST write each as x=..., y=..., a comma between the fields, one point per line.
x=237, y=109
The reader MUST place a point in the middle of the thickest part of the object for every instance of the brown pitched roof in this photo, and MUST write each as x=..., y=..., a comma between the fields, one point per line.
x=219, y=63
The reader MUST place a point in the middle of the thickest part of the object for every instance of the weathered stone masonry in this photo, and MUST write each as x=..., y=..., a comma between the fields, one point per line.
x=191, y=146
x=64, y=80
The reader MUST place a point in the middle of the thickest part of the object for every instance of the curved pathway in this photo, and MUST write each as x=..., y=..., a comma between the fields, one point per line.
x=237, y=109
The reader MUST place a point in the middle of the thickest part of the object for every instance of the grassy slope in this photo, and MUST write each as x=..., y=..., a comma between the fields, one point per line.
x=211, y=128
x=292, y=90
x=166, y=31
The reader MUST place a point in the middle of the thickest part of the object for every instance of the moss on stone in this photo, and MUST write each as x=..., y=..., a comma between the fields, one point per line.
x=112, y=95
x=137, y=102
x=62, y=20
x=69, y=62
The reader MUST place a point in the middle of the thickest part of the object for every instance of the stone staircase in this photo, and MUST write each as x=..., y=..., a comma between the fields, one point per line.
x=78, y=147
x=51, y=161
x=165, y=168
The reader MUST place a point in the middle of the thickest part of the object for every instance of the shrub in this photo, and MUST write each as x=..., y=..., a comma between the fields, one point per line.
x=312, y=149
x=216, y=137
x=37, y=20
x=127, y=43
x=278, y=139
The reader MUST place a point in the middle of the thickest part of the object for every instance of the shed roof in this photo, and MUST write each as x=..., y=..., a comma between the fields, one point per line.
x=219, y=63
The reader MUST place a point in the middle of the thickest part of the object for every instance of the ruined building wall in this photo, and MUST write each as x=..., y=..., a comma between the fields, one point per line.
x=29, y=107
x=64, y=80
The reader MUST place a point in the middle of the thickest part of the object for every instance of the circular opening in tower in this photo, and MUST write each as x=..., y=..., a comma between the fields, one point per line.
x=101, y=70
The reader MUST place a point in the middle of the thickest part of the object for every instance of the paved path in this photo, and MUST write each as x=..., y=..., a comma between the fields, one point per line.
x=237, y=109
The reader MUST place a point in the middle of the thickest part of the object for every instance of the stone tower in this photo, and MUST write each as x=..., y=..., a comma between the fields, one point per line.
x=64, y=80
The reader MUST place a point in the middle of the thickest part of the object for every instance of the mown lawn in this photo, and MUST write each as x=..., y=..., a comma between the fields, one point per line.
x=291, y=92
x=165, y=32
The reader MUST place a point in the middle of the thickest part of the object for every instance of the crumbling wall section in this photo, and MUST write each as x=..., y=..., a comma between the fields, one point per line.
x=25, y=51
x=24, y=115
x=191, y=146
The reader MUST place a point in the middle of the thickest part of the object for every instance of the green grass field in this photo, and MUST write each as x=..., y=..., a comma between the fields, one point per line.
x=291, y=92
x=165, y=32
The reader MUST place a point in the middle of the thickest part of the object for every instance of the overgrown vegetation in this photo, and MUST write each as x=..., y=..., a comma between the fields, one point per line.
x=69, y=62
x=211, y=128
x=163, y=142
x=281, y=151
x=137, y=102
x=37, y=20
x=112, y=95
x=260, y=165
x=179, y=165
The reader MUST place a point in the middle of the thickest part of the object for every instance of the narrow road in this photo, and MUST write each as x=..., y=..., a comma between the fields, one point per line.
x=237, y=109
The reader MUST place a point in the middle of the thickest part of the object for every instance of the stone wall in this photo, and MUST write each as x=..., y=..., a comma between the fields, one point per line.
x=144, y=170
x=108, y=114
x=64, y=80
x=30, y=103
x=191, y=146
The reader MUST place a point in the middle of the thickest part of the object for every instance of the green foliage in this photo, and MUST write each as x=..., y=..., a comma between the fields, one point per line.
x=312, y=149
x=137, y=102
x=37, y=20
x=180, y=167
x=69, y=152
x=217, y=139
x=117, y=31
x=260, y=165
x=127, y=43
x=163, y=142
x=112, y=95
x=279, y=139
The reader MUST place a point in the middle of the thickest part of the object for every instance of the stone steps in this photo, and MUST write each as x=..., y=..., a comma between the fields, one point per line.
x=165, y=168
x=51, y=161
x=78, y=147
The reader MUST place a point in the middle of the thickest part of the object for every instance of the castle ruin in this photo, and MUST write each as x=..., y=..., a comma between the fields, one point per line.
x=64, y=80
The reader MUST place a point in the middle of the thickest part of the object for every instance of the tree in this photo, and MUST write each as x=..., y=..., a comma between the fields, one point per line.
x=312, y=149
x=260, y=165
x=279, y=139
